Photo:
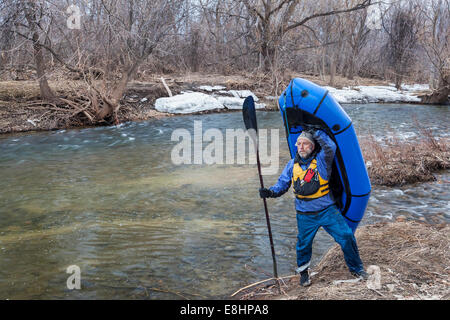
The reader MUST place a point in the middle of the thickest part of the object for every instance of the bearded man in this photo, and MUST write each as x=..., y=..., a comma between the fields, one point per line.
x=309, y=172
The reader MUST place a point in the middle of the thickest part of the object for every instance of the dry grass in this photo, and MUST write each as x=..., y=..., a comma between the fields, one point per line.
x=413, y=259
x=15, y=90
x=395, y=163
x=20, y=91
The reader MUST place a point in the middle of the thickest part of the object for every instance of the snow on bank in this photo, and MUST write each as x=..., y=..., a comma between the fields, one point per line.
x=215, y=97
x=374, y=94
x=190, y=102
x=187, y=102
x=211, y=88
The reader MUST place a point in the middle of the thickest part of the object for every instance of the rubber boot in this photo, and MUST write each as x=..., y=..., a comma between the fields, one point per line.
x=304, y=278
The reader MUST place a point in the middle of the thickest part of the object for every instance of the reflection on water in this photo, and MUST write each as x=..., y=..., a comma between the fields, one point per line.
x=110, y=201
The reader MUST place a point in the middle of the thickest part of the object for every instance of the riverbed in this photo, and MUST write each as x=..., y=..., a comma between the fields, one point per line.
x=111, y=201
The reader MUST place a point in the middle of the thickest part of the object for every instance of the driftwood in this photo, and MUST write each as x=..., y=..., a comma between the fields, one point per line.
x=166, y=86
x=277, y=281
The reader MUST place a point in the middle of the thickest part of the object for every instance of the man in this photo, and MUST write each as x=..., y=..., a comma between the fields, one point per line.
x=309, y=172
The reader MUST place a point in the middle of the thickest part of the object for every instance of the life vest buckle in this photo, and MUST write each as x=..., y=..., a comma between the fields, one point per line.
x=309, y=175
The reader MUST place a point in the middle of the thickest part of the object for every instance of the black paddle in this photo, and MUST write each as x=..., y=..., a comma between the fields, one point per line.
x=248, y=111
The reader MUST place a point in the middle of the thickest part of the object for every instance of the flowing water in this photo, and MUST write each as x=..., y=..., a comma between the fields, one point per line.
x=111, y=201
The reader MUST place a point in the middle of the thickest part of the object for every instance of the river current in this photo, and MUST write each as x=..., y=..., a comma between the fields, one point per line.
x=111, y=201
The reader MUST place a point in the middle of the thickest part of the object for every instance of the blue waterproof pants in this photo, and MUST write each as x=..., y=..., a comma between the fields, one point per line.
x=333, y=223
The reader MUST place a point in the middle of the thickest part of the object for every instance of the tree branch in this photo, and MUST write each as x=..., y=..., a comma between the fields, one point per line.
x=279, y=7
x=50, y=50
x=359, y=6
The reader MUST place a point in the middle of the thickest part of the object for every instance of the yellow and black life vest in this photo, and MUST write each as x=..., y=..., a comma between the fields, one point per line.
x=308, y=184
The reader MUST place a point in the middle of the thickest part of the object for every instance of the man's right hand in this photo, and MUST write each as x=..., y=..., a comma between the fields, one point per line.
x=265, y=193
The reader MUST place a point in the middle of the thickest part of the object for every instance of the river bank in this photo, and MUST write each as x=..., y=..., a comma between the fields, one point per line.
x=22, y=110
x=411, y=259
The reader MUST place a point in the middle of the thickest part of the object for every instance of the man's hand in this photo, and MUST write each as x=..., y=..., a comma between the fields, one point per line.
x=265, y=193
x=315, y=133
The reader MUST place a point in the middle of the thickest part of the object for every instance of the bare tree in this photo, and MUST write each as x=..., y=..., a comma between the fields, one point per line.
x=34, y=15
x=114, y=39
x=228, y=39
x=357, y=38
x=276, y=18
x=402, y=27
x=435, y=40
x=30, y=20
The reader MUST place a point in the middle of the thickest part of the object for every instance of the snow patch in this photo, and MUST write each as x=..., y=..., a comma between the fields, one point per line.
x=415, y=87
x=218, y=98
x=190, y=102
x=236, y=103
x=211, y=88
x=374, y=94
x=243, y=94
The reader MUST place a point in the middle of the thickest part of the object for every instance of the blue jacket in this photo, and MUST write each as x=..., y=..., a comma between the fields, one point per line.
x=324, y=164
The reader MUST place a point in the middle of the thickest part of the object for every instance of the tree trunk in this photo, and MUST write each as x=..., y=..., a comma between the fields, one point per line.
x=398, y=79
x=332, y=71
x=440, y=95
x=219, y=35
x=194, y=46
x=46, y=92
x=432, y=81
x=2, y=60
x=268, y=55
x=322, y=65
x=112, y=104
x=351, y=67
x=269, y=41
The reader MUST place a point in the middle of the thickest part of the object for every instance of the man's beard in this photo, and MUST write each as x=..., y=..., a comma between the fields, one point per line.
x=305, y=155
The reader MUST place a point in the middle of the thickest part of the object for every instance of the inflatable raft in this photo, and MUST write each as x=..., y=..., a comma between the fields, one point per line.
x=304, y=105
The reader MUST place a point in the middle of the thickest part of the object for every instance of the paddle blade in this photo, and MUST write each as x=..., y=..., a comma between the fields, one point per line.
x=248, y=111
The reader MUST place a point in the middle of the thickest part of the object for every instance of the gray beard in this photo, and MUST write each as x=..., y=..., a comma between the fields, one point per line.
x=305, y=155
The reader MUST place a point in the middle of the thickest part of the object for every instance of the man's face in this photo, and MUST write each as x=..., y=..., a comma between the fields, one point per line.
x=304, y=148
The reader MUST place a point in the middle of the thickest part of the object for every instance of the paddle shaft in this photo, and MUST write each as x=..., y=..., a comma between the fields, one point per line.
x=249, y=114
x=275, y=272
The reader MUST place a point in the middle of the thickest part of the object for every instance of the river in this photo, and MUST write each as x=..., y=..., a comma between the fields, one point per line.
x=111, y=201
